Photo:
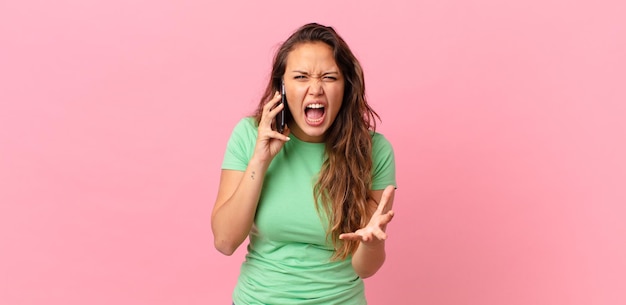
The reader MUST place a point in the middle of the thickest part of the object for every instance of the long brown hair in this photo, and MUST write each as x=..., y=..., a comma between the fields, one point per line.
x=343, y=188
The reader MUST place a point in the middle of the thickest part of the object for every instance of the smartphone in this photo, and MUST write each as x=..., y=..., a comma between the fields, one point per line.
x=281, y=117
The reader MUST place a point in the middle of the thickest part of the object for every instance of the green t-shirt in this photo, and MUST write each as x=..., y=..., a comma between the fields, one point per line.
x=288, y=259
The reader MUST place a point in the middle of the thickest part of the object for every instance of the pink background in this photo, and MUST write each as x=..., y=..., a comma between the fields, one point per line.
x=507, y=118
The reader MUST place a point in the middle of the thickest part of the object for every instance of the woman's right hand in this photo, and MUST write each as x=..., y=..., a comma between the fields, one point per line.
x=269, y=141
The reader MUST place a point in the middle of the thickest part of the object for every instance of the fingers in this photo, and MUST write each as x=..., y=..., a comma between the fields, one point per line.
x=350, y=236
x=380, y=234
x=375, y=230
x=389, y=191
x=270, y=110
x=371, y=233
x=364, y=237
x=272, y=102
x=385, y=198
x=386, y=218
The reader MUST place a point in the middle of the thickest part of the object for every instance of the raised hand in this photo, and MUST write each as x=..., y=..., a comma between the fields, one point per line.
x=269, y=141
x=375, y=229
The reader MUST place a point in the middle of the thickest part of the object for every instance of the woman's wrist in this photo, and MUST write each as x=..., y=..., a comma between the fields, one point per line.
x=258, y=164
x=375, y=245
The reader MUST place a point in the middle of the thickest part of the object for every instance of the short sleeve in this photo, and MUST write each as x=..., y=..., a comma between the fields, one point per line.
x=240, y=145
x=383, y=163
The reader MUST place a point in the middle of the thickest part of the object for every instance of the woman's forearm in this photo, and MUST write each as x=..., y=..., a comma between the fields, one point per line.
x=236, y=205
x=370, y=254
x=368, y=258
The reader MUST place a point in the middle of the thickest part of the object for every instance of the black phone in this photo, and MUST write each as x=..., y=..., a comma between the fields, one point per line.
x=281, y=117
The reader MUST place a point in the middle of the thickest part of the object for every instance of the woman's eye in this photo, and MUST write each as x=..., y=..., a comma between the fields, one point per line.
x=330, y=78
x=300, y=77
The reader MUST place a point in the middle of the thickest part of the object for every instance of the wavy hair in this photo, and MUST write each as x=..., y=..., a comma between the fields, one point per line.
x=343, y=188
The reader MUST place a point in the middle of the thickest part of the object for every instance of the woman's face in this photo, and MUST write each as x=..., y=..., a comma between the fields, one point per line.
x=314, y=88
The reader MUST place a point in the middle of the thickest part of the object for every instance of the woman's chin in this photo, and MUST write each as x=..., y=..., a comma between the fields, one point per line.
x=311, y=134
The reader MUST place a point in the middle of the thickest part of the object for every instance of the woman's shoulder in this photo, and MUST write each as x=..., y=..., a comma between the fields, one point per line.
x=247, y=122
x=244, y=132
x=245, y=125
x=379, y=141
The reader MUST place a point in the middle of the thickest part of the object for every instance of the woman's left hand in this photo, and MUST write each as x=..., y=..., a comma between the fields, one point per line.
x=375, y=229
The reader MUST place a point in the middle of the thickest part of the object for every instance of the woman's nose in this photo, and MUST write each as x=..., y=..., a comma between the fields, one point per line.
x=316, y=87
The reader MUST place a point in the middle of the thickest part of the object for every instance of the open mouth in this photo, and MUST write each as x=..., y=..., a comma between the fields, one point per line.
x=314, y=113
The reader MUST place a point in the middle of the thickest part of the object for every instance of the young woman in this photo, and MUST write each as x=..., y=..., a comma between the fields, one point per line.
x=314, y=200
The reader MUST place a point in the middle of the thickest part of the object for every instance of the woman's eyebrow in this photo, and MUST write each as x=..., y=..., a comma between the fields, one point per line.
x=307, y=73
